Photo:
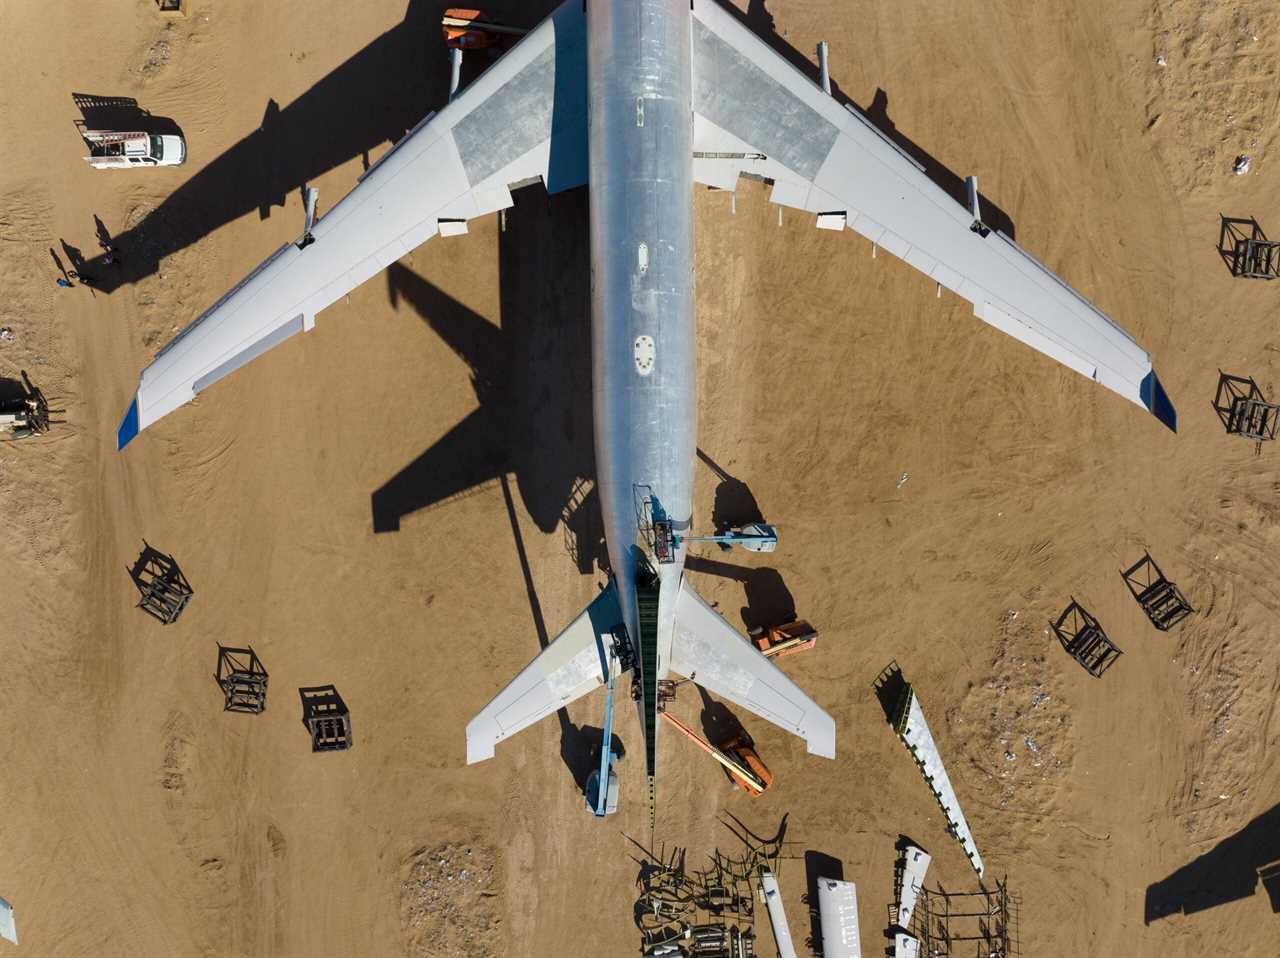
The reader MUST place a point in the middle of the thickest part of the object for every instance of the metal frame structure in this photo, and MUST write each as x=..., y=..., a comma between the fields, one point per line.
x=714, y=905
x=327, y=718
x=164, y=590
x=1084, y=639
x=945, y=922
x=242, y=679
x=1243, y=410
x=1249, y=255
x=1161, y=600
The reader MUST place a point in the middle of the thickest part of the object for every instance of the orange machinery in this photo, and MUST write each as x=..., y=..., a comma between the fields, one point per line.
x=471, y=30
x=737, y=755
x=778, y=640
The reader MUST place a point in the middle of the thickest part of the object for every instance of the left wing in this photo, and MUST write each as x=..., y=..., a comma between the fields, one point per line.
x=708, y=650
x=521, y=120
x=755, y=113
x=571, y=666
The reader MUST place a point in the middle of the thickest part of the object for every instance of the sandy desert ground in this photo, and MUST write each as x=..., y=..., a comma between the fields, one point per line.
x=327, y=513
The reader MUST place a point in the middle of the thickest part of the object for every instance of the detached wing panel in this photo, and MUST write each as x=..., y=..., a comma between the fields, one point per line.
x=754, y=113
x=708, y=650
x=523, y=119
x=567, y=669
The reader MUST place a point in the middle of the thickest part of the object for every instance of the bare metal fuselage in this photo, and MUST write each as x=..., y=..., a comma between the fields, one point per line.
x=642, y=309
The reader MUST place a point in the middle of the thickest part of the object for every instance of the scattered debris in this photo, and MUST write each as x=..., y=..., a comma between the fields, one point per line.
x=6, y=334
x=903, y=480
x=446, y=909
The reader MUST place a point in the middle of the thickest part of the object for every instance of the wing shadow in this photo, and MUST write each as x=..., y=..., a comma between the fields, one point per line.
x=532, y=376
x=371, y=99
x=1232, y=869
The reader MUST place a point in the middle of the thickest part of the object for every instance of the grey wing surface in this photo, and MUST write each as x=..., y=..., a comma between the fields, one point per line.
x=523, y=119
x=708, y=650
x=755, y=113
x=567, y=669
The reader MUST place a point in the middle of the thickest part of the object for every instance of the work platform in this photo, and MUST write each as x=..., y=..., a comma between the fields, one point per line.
x=1084, y=640
x=242, y=679
x=1161, y=600
x=1247, y=251
x=327, y=718
x=164, y=589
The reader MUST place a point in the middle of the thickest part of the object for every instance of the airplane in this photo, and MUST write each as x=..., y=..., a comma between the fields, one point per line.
x=640, y=100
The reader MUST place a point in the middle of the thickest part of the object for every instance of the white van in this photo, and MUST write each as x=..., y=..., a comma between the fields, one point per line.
x=111, y=150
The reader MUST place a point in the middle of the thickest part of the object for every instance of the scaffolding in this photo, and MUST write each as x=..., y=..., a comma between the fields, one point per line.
x=1247, y=251
x=327, y=718
x=242, y=679
x=163, y=588
x=1084, y=640
x=1161, y=600
x=969, y=924
x=707, y=912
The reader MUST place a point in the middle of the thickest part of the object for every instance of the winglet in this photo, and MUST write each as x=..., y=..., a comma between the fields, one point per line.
x=128, y=426
x=1157, y=401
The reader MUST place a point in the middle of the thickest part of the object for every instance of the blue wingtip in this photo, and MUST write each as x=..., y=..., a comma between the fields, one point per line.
x=1157, y=400
x=128, y=427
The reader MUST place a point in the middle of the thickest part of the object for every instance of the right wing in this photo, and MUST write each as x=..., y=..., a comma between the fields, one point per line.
x=522, y=120
x=567, y=669
x=754, y=113
x=709, y=651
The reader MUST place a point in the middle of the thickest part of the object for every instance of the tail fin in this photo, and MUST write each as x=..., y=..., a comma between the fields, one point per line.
x=708, y=650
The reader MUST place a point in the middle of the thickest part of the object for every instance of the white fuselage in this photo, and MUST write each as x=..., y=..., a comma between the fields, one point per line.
x=642, y=311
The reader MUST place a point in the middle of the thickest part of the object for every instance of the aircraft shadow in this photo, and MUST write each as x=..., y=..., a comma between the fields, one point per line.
x=371, y=99
x=1230, y=870
x=532, y=378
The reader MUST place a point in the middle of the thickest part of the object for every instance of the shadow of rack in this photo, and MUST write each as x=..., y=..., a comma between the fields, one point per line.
x=1161, y=600
x=1247, y=251
x=1084, y=640
x=164, y=589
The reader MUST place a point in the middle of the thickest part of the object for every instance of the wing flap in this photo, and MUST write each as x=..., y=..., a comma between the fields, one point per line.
x=563, y=672
x=708, y=650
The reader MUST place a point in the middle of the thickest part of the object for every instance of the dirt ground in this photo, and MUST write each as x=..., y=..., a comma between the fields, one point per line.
x=321, y=518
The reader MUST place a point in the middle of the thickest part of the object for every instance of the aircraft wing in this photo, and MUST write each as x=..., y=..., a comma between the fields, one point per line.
x=708, y=650
x=567, y=669
x=754, y=113
x=523, y=119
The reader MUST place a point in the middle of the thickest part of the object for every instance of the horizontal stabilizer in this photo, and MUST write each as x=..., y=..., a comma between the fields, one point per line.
x=566, y=670
x=708, y=650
